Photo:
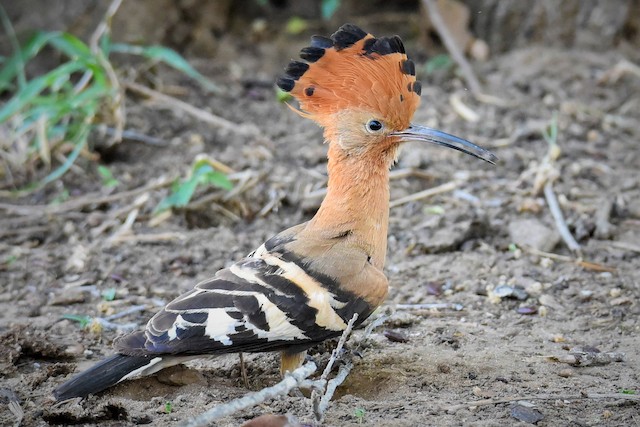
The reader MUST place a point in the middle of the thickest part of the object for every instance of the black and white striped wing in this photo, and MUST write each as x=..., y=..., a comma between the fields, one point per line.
x=267, y=301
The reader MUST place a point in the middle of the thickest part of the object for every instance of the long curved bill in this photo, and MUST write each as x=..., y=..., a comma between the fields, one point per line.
x=426, y=134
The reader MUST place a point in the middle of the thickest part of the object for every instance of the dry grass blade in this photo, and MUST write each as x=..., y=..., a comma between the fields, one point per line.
x=103, y=28
x=452, y=47
x=444, y=188
x=174, y=103
x=81, y=202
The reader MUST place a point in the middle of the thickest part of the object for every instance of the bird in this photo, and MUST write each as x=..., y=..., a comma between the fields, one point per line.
x=303, y=285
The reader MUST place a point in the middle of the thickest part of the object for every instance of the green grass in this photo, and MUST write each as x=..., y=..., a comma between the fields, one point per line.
x=47, y=120
x=202, y=173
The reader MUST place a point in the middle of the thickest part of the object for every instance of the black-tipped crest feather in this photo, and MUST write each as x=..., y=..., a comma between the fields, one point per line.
x=347, y=35
x=296, y=69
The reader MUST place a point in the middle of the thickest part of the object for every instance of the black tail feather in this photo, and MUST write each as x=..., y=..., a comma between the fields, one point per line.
x=100, y=376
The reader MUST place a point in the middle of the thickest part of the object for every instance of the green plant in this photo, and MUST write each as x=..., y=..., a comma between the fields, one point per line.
x=83, y=321
x=359, y=413
x=46, y=122
x=168, y=407
x=441, y=62
x=109, y=294
x=202, y=173
x=108, y=180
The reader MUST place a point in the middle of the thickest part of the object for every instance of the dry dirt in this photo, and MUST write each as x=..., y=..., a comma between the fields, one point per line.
x=453, y=248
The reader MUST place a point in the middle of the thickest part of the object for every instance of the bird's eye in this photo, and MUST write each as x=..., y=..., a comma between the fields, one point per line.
x=374, y=126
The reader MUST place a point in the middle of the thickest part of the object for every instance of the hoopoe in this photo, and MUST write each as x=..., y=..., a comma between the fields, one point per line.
x=302, y=286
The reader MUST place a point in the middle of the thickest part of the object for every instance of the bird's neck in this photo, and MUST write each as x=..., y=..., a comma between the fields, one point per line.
x=357, y=201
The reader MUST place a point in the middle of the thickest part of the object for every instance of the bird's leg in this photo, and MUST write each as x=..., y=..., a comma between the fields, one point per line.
x=243, y=371
x=289, y=362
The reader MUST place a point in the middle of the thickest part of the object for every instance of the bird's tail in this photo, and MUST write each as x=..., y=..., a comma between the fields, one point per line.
x=103, y=375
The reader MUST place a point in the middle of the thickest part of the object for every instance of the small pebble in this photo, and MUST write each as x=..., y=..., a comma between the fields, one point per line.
x=527, y=310
x=615, y=292
x=444, y=368
x=528, y=415
x=565, y=373
x=395, y=336
x=75, y=349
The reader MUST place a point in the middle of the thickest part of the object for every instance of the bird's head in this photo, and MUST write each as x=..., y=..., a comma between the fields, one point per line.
x=363, y=91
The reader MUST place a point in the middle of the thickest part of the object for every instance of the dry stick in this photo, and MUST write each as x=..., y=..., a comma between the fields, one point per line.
x=444, y=188
x=317, y=400
x=174, y=103
x=561, y=224
x=452, y=47
x=584, y=264
x=103, y=28
x=331, y=387
x=455, y=408
x=243, y=371
x=291, y=381
x=626, y=246
x=80, y=202
x=430, y=306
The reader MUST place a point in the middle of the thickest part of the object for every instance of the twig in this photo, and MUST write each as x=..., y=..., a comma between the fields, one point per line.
x=336, y=351
x=561, y=224
x=148, y=238
x=291, y=381
x=321, y=392
x=444, y=188
x=462, y=109
x=625, y=246
x=80, y=202
x=122, y=327
x=430, y=306
x=128, y=311
x=205, y=116
x=584, y=264
x=452, y=47
x=243, y=370
x=456, y=408
x=133, y=135
x=331, y=387
x=118, y=100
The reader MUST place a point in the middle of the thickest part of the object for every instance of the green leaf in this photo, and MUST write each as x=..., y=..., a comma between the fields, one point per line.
x=628, y=391
x=328, y=8
x=201, y=173
x=13, y=65
x=434, y=210
x=438, y=63
x=296, y=25
x=283, y=96
x=80, y=142
x=35, y=87
x=73, y=47
x=109, y=294
x=83, y=320
x=168, y=407
x=108, y=179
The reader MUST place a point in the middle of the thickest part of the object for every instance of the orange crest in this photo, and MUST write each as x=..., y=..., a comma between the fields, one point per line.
x=354, y=70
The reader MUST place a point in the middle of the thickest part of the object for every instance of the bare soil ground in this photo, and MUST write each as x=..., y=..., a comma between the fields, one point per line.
x=452, y=248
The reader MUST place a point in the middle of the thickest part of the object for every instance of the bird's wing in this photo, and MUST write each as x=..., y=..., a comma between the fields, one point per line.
x=270, y=300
